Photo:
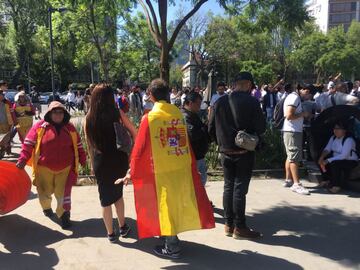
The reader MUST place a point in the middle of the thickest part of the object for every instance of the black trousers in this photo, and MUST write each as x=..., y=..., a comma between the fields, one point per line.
x=237, y=175
x=338, y=172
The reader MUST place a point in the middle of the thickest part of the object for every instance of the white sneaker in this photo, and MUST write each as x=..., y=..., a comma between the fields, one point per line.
x=298, y=188
x=288, y=183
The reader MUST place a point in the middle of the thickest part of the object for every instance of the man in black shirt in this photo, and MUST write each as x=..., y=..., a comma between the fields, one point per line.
x=197, y=131
x=237, y=163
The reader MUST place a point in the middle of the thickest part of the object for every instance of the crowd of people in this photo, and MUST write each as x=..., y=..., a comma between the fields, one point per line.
x=175, y=130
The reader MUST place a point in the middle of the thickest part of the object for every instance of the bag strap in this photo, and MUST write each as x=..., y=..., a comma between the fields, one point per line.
x=233, y=112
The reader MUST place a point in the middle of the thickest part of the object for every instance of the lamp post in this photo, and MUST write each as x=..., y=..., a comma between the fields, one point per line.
x=51, y=10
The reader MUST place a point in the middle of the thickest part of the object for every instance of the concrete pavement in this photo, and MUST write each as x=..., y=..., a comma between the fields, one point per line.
x=320, y=231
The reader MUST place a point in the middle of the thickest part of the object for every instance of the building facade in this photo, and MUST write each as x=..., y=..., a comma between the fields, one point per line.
x=332, y=13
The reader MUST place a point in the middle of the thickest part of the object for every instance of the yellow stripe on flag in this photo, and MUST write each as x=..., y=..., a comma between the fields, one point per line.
x=177, y=204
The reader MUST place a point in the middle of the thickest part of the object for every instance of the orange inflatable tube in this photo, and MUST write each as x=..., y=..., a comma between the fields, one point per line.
x=15, y=186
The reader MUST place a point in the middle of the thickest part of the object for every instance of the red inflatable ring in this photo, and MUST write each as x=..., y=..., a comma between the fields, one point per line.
x=15, y=186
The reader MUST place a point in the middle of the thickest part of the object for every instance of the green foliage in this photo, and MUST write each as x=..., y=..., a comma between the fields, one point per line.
x=138, y=54
x=83, y=170
x=176, y=76
x=263, y=73
x=272, y=156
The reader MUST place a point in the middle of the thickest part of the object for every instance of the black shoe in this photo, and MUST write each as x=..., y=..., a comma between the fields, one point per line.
x=48, y=213
x=113, y=238
x=65, y=220
x=124, y=230
x=162, y=251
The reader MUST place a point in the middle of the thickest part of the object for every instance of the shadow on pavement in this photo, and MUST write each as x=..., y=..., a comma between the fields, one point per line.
x=329, y=233
x=26, y=242
x=198, y=256
x=95, y=228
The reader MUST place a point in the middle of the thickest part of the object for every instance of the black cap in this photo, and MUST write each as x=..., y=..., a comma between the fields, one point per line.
x=244, y=75
x=310, y=87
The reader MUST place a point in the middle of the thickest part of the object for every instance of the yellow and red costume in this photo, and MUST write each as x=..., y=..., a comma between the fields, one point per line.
x=10, y=117
x=169, y=196
x=24, y=115
x=54, y=155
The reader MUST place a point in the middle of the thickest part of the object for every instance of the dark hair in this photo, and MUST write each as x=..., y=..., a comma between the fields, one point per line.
x=342, y=124
x=2, y=82
x=19, y=87
x=192, y=97
x=103, y=113
x=159, y=90
x=288, y=88
x=221, y=84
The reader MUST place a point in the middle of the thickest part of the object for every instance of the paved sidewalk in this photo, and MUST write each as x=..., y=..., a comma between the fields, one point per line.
x=320, y=231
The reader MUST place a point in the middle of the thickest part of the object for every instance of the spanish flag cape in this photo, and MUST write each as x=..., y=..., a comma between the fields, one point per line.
x=169, y=196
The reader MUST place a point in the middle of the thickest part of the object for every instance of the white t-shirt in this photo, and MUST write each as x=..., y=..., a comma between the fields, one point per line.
x=147, y=104
x=173, y=98
x=70, y=97
x=296, y=125
x=346, y=151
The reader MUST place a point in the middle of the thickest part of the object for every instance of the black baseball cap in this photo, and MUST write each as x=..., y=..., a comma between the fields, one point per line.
x=244, y=76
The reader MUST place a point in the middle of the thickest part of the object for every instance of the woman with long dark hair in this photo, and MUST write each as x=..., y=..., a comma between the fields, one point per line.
x=109, y=164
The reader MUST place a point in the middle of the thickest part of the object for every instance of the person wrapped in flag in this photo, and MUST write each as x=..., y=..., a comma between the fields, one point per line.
x=54, y=150
x=169, y=196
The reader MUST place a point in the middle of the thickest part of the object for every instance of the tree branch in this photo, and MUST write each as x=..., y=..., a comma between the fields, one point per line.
x=155, y=20
x=163, y=5
x=150, y=24
x=183, y=21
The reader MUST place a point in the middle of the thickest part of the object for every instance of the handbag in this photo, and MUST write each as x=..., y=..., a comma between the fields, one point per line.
x=246, y=141
x=243, y=139
x=123, y=138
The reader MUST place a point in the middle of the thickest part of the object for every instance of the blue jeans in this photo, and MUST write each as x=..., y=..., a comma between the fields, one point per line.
x=269, y=114
x=201, y=166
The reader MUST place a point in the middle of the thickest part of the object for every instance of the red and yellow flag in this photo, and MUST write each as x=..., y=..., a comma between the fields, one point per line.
x=169, y=196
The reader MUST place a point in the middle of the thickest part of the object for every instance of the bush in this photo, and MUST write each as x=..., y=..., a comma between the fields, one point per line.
x=83, y=170
x=272, y=155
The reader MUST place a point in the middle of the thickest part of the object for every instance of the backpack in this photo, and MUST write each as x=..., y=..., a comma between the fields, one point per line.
x=357, y=143
x=279, y=118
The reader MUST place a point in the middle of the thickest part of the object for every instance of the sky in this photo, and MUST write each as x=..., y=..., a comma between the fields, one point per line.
x=211, y=5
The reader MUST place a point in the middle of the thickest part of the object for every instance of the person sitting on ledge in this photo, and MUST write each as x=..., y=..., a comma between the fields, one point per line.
x=338, y=159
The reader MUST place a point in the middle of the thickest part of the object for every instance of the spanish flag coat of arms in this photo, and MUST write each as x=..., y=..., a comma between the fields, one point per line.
x=169, y=196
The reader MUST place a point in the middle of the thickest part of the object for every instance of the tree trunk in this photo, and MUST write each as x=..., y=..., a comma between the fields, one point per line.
x=21, y=56
x=164, y=64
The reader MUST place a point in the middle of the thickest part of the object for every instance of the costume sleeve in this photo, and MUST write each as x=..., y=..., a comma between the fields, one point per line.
x=82, y=154
x=12, y=112
x=29, y=144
